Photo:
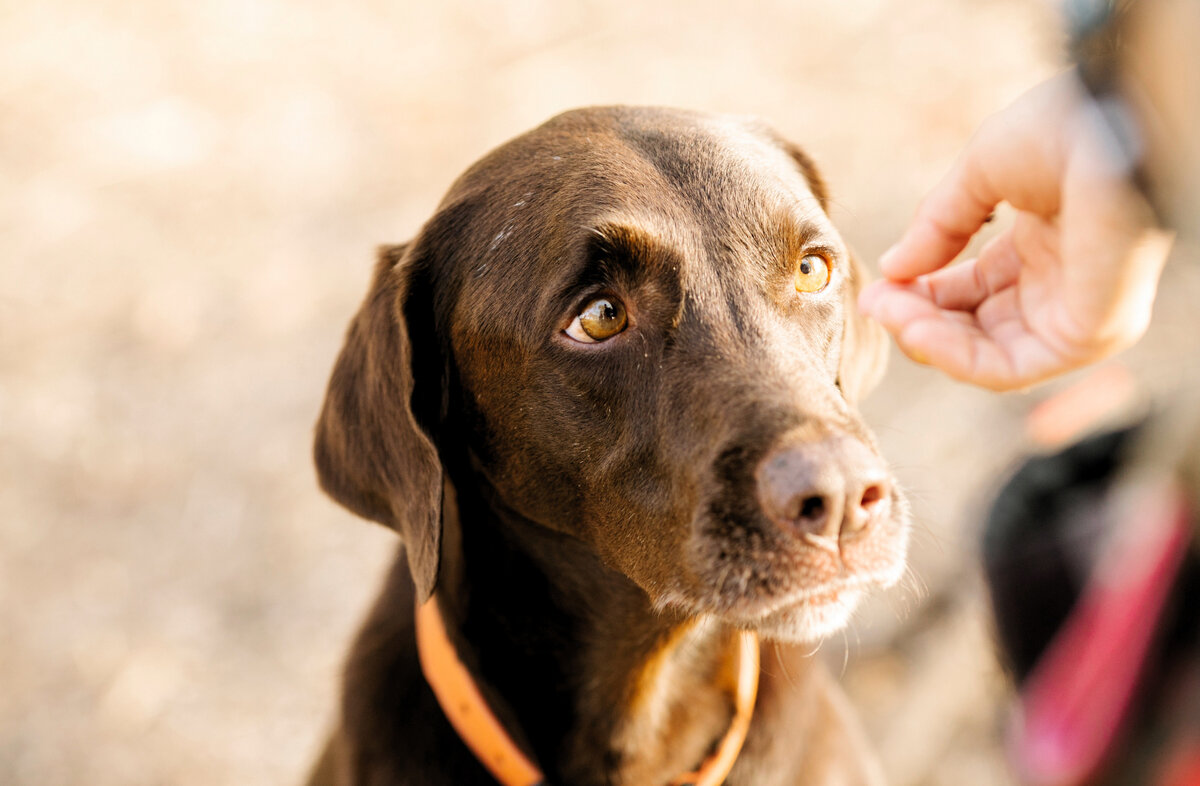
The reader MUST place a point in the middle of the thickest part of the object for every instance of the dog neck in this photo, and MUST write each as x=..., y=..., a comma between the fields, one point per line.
x=588, y=679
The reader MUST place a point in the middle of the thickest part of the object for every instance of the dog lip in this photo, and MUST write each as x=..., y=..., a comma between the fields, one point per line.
x=828, y=593
x=823, y=594
x=824, y=598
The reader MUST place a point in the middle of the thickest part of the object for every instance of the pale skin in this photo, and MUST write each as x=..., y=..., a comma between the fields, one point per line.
x=1070, y=282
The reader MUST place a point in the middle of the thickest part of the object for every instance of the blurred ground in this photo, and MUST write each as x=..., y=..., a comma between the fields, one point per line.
x=189, y=198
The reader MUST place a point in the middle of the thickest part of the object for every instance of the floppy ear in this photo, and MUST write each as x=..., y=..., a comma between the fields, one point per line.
x=808, y=168
x=864, y=342
x=371, y=453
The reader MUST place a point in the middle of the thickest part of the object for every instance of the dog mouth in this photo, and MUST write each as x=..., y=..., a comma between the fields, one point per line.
x=816, y=616
x=792, y=610
x=788, y=589
x=827, y=596
x=839, y=591
x=813, y=613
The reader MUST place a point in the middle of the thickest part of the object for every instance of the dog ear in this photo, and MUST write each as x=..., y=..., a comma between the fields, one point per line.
x=808, y=168
x=864, y=342
x=372, y=454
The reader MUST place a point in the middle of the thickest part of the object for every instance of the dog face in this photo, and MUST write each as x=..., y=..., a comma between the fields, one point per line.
x=634, y=327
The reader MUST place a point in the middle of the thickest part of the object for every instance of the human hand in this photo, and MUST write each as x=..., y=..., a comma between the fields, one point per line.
x=1070, y=282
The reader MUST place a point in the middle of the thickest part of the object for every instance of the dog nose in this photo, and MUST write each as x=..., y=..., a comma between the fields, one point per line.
x=826, y=491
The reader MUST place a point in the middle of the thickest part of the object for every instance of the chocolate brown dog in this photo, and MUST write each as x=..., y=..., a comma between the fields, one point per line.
x=606, y=398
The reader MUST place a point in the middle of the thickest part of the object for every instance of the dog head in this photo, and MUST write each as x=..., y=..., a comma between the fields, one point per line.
x=636, y=327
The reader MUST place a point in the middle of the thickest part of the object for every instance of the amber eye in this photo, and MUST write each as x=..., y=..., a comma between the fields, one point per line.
x=812, y=274
x=600, y=319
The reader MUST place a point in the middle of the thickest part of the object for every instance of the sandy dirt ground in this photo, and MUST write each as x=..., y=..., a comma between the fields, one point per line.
x=189, y=198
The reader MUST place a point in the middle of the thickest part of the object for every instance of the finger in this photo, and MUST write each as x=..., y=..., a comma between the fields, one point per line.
x=1000, y=315
x=892, y=305
x=887, y=297
x=895, y=306
x=968, y=284
x=1016, y=156
x=951, y=341
x=869, y=295
x=876, y=292
x=961, y=351
x=947, y=219
x=1005, y=356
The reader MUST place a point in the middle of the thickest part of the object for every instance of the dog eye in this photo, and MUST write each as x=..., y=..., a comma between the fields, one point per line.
x=812, y=274
x=600, y=319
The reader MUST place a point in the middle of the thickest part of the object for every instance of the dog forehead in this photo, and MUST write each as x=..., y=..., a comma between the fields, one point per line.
x=608, y=155
x=674, y=170
x=692, y=181
x=717, y=155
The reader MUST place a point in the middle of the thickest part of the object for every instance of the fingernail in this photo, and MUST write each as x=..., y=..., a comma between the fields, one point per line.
x=914, y=354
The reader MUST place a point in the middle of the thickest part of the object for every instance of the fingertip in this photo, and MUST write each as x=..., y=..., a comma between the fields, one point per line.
x=922, y=249
x=918, y=251
x=888, y=264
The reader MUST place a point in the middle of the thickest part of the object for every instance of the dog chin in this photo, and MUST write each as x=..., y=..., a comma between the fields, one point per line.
x=810, y=618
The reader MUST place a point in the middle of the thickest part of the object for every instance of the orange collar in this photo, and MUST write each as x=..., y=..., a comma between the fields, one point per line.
x=471, y=717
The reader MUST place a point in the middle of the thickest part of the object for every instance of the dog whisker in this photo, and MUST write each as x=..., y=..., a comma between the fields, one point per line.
x=845, y=651
x=787, y=675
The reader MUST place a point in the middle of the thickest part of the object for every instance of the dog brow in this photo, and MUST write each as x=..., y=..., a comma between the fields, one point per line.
x=796, y=230
x=624, y=250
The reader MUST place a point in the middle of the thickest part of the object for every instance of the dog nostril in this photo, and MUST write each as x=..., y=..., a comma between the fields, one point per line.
x=872, y=496
x=869, y=506
x=812, y=508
